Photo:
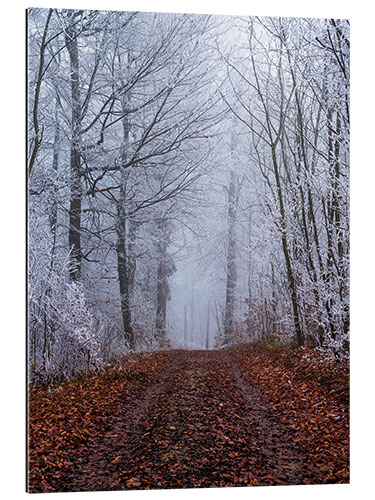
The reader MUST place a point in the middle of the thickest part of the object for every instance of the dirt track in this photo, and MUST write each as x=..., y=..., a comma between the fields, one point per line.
x=199, y=423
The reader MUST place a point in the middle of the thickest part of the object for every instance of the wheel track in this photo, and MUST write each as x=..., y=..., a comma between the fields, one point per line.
x=201, y=423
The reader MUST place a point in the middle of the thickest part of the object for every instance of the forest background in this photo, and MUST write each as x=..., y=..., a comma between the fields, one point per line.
x=362, y=177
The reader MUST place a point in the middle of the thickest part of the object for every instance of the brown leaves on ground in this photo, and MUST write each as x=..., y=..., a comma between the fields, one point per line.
x=66, y=418
x=183, y=419
x=311, y=394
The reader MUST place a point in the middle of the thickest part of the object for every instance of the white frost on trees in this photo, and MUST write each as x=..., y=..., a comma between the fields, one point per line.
x=132, y=123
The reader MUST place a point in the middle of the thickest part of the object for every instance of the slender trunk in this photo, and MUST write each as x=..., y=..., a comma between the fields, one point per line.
x=54, y=194
x=249, y=280
x=330, y=209
x=122, y=268
x=336, y=193
x=328, y=274
x=75, y=160
x=122, y=258
x=192, y=316
x=185, y=324
x=132, y=260
x=38, y=133
x=165, y=268
x=231, y=260
x=274, y=300
x=321, y=330
x=123, y=279
x=290, y=275
x=208, y=329
x=161, y=303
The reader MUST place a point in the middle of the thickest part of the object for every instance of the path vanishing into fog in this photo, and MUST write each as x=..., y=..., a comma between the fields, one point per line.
x=186, y=419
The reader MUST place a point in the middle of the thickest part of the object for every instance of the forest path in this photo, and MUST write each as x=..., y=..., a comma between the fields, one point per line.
x=199, y=423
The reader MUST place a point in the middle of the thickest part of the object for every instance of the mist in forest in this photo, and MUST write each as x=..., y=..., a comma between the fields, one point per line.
x=188, y=184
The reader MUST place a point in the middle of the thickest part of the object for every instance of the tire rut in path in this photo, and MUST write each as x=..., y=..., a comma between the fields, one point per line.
x=280, y=460
x=200, y=424
x=94, y=467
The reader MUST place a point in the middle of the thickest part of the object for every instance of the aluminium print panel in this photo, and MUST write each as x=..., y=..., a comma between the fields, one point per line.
x=188, y=251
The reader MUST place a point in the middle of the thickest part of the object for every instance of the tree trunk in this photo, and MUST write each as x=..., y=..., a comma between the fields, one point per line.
x=123, y=278
x=165, y=268
x=54, y=192
x=290, y=275
x=122, y=260
x=161, y=303
x=231, y=260
x=38, y=133
x=185, y=324
x=208, y=329
x=131, y=254
x=75, y=159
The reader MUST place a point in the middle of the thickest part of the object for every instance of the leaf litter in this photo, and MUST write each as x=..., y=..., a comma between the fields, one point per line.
x=254, y=415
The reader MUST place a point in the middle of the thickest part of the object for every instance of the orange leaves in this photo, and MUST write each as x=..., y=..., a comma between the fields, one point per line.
x=133, y=483
x=65, y=418
x=180, y=419
x=311, y=394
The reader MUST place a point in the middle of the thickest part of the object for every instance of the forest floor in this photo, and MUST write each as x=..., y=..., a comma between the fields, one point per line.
x=254, y=415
